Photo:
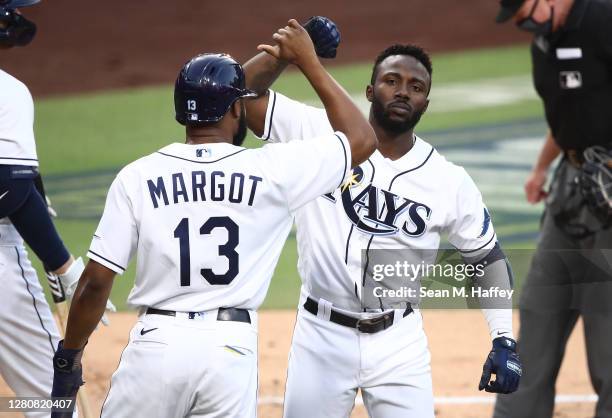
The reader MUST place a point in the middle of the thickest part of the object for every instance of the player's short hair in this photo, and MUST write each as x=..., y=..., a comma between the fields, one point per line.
x=414, y=51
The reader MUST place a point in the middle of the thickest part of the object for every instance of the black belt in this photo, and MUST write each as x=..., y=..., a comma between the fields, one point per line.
x=368, y=326
x=224, y=314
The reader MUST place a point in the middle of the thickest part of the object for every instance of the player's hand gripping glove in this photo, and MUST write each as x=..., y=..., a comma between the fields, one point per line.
x=70, y=280
x=67, y=376
x=505, y=364
x=324, y=34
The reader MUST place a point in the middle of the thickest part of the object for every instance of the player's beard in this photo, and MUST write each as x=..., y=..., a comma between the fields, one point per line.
x=382, y=117
x=242, y=128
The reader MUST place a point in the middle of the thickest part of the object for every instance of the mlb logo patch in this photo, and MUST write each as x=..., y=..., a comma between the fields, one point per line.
x=203, y=152
x=192, y=116
x=570, y=79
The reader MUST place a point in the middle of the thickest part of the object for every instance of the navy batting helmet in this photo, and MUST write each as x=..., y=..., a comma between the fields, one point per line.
x=13, y=4
x=206, y=87
x=15, y=30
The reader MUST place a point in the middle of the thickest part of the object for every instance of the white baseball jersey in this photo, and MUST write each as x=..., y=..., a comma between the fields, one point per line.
x=403, y=204
x=208, y=221
x=17, y=146
x=25, y=318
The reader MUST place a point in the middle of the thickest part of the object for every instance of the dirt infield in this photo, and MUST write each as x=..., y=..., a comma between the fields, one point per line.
x=453, y=338
x=88, y=45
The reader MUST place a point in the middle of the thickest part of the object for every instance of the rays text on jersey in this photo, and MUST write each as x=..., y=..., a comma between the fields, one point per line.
x=199, y=186
x=382, y=209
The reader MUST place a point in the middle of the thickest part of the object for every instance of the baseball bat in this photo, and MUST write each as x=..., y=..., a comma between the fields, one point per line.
x=59, y=298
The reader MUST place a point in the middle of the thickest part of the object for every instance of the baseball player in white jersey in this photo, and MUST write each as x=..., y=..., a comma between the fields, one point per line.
x=207, y=221
x=28, y=333
x=405, y=196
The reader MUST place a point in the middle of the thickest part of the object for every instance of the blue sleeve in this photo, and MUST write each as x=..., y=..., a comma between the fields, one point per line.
x=27, y=210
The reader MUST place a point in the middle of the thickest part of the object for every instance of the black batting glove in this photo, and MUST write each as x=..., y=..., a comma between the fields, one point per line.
x=67, y=375
x=504, y=362
x=324, y=34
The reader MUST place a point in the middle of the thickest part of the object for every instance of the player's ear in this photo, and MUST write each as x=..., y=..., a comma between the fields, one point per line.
x=369, y=93
x=235, y=109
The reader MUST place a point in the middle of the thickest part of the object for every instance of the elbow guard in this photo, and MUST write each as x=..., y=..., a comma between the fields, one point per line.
x=494, y=255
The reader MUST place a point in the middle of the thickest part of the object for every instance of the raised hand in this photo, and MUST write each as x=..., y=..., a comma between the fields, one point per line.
x=293, y=44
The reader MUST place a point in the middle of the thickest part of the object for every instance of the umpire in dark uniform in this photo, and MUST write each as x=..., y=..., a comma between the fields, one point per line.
x=570, y=275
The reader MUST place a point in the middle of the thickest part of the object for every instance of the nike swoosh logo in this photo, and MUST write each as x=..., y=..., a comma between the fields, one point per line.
x=502, y=333
x=4, y=194
x=143, y=331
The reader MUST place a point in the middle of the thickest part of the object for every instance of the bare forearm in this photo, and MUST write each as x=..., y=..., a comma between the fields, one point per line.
x=550, y=150
x=262, y=71
x=88, y=305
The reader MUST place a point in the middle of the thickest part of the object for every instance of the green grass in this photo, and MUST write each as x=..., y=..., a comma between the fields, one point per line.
x=105, y=131
x=481, y=116
x=448, y=67
x=108, y=130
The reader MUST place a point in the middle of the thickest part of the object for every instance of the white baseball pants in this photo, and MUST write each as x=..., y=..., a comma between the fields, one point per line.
x=329, y=362
x=28, y=333
x=179, y=367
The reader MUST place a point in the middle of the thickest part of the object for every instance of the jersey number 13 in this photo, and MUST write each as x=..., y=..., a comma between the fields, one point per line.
x=227, y=250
